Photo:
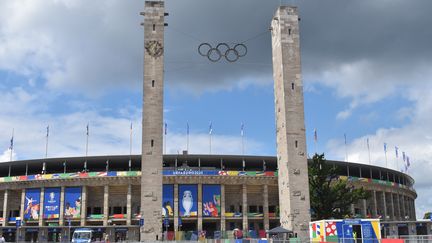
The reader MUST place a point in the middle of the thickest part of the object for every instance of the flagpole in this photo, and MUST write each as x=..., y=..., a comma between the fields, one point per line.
x=385, y=154
x=367, y=141
x=346, y=151
x=46, y=145
x=187, y=137
x=11, y=146
x=315, y=140
x=165, y=137
x=85, y=163
x=130, y=147
x=397, y=157
x=210, y=137
x=242, y=137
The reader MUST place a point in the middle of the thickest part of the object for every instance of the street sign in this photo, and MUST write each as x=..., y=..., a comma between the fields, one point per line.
x=141, y=222
x=18, y=223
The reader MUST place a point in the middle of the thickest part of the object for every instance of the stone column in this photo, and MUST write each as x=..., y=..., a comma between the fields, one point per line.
x=22, y=208
x=223, y=223
x=293, y=183
x=83, y=205
x=200, y=207
x=41, y=207
x=384, y=206
x=399, y=210
x=245, y=209
x=176, y=211
x=413, y=209
x=5, y=208
x=403, y=207
x=61, y=215
x=364, y=208
x=353, y=209
x=129, y=205
x=152, y=120
x=392, y=216
x=266, y=208
x=375, y=204
x=106, y=205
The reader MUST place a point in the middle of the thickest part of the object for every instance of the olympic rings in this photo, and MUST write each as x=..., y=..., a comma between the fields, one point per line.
x=214, y=54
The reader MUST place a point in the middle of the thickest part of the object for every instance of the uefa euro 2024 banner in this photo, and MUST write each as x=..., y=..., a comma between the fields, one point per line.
x=188, y=203
x=72, y=207
x=168, y=200
x=51, y=203
x=32, y=204
x=211, y=200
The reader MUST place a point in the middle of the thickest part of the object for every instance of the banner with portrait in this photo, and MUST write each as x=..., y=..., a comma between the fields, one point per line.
x=32, y=204
x=51, y=203
x=168, y=200
x=72, y=202
x=211, y=200
x=188, y=200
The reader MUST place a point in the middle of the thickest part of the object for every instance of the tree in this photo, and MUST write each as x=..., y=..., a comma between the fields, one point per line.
x=330, y=197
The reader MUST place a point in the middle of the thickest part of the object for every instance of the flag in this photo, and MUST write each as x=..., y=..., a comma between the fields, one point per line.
x=315, y=135
x=87, y=129
x=47, y=131
x=403, y=156
x=397, y=153
x=11, y=143
x=367, y=142
x=242, y=129
x=210, y=128
x=345, y=138
x=131, y=127
x=166, y=128
x=385, y=147
x=408, y=161
x=187, y=128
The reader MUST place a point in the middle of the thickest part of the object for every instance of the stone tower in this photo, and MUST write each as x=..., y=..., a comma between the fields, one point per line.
x=151, y=163
x=290, y=128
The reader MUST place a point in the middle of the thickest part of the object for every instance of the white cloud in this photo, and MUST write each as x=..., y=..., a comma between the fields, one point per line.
x=414, y=139
x=6, y=156
x=72, y=44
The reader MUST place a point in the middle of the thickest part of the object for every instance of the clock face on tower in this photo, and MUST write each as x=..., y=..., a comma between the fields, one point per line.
x=154, y=48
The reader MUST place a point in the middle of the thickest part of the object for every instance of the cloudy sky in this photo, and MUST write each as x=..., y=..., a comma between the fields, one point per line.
x=366, y=70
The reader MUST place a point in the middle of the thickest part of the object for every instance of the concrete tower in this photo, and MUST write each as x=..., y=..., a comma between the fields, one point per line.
x=291, y=140
x=151, y=165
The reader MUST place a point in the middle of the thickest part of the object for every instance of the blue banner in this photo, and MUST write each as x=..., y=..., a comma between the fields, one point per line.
x=72, y=202
x=51, y=203
x=168, y=200
x=32, y=204
x=211, y=200
x=188, y=203
x=189, y=172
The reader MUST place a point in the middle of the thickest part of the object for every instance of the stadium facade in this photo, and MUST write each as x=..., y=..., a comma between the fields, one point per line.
x=203, y=196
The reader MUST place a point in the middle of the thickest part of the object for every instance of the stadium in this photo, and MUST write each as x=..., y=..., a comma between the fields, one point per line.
x=203, y=196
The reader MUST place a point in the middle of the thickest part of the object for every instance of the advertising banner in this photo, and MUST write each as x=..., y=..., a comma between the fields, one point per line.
x=72, y=202
x=188, y=203
x=348, y=230
x=168, y=200
x=211, y=200
x=51, y=203
x=32, y=204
